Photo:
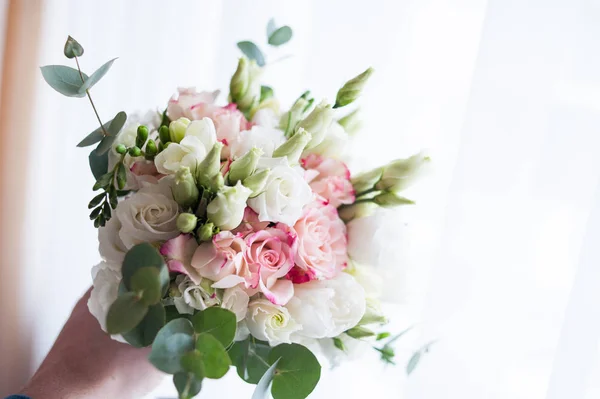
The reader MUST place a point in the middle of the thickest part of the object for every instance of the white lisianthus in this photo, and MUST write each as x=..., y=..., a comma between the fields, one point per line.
x=284, y=195
x=106, y=277
x=380, y=241
x=226, y=211
x=327, y=308
x=193, y=296
x=269, y=322
x=149, y=215
x=111, y=247
x=264, y=138
x=200, y=137
x=334, y=144
x=236, y=300
x=266, y=117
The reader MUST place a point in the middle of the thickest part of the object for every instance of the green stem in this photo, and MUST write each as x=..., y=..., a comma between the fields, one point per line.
x=369, y=191
x=90, y=98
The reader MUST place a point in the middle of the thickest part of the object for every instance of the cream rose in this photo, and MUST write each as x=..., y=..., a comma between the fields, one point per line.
x=236, y=300
x=106, y=279
x=111, y=247
x=269, y=322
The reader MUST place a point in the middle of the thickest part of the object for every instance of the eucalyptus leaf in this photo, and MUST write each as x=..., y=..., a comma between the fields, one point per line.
x=214, y=357
x=271, y=27
x=144, y=333
x=219, y=322
x=96, y=76
x=125, y=313
x=250, y=359
x=113, y=130
x=192, y=362
x=94, y=137
x=98, y=163
x=146, y=282
x=187, y=385
x=172, y=341
x=72, y=48
x=297, y=373
x=64, y=79
x=413, y=362
x=252, y=51
x=280, y=36
x=139, y=256
x=262, y=388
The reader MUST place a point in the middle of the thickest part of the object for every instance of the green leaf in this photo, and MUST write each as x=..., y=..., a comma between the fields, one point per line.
x=297, y=373
x=192, y=362
x=113, y=130
x=266, y=92
x=139, y=256
x=214, y=358
x=96, y=76
x=126, y=312
x=262, y=388
x=187, y=385
x=146, y=282
x=98, y=163
x=219, y=322
x=271, y=27
x=170, y=344
x=413, y=362
x=280, y=36
x=252, y=51
x=96, y=200
x=250, y=359
x=338, y=343
x=63, y=79
x=94, y=137
x=360, y=332
x=382, y=335
x=73, y=48
x=144, y=333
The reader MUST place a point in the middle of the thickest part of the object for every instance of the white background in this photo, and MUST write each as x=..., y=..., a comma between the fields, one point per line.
x=503, y=258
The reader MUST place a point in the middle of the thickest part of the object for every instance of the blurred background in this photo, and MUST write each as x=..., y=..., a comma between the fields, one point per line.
x=502, y=262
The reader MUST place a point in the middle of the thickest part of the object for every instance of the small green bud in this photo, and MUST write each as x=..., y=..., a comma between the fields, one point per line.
x=239, y=81
x=135, y=151
x=293, y=147
x=244, y=166
x=177, y=129
x=164, y=135
x=121, y=149
x=257, y=182
x=402, y=173
x=244, y=88
x=317, y=123
x=352, y=89
x=360, y=332
x=352, y=122
x=290, y=119
x=355, y=211
x=142, y=136
x=205, y=232
x=390, y=199
x=338, y=343
x=210, y=167
x=382, y=335
x=151, y=149
x=186, y=222
x=366, y=181
x=226, y=210
x=217, y=182
x=185, y=192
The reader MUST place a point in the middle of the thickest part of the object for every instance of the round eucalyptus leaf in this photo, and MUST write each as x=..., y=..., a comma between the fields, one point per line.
x=214, y=358
x=252, y=51
x=250, y=359
x=271, y=27
x=144, y=333
x=219, y=322
x=96, y=76
x=126, y=312
x=113, y=130
x=72, y=48
x=297, y=372
x=64, y=79
x=262, y=388
x=280, y=36
x=146, y=282
x=172, y=341
x=139, y=256
x=98, y=164
x=187, y=385
x=193, y=363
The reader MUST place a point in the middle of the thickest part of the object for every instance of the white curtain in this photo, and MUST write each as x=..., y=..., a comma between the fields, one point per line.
x=503, y=260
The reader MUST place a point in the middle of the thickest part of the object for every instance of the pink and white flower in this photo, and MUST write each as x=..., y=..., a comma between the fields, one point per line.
x=329, y=178
x=191, y=104
x=179, y=252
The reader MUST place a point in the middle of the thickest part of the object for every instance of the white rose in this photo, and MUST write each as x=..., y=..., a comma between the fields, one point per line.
x=334, y=144
x=285, y=194
x=327, y=308
x=236, y=300
x=380, y=241
x=269, y=322
x=368, y=278
x=226, y=211
x=265, y=138
x=200, y=137
x=110, y=245
x=149, y=215
x=107, y=277
x=193, y=296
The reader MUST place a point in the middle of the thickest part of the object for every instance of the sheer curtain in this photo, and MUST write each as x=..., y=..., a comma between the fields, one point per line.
x=502, y=256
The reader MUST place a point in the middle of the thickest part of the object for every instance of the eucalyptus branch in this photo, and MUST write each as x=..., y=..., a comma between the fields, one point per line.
x=87, y=91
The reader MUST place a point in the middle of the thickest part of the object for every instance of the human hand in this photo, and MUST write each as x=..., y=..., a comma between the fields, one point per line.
x=85, y=362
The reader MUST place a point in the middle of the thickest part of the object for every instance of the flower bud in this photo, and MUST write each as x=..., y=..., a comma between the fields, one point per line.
x=185, y=192
x=352, y=122
x=266, y=92
x=210, y=167
x=244, y=166
x=355, y=211
x=373, y=313
x=257, y=181
x=401, y=173
x=352, y=89
x=177, y=129
x=164, y=134
x=205, y=232
x=186, y=222
x=121, y=149
x=366, y=181
x=142, y=136
x=293, y=147
x=226, y=211
x=317, y=123
x=244, y=88
x=135, y=151
x=151, y=149
x=390, y=199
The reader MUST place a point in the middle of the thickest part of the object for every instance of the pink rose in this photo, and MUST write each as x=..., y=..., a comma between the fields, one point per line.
x=229, y=122
x=322, y=244
x=329, y=178
x=223, y=261
x=250, y=222
x=272, y=251
x=179, y=252
x=191, y=104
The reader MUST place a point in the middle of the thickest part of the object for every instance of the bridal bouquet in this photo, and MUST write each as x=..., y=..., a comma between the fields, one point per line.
x=226, y=230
